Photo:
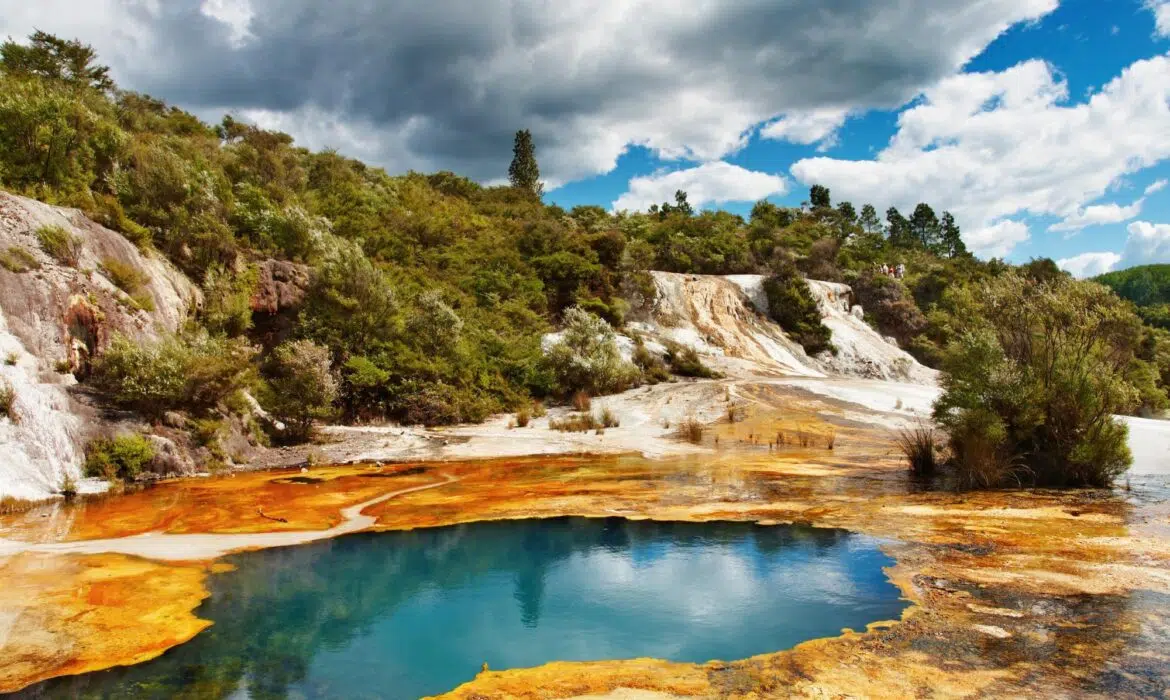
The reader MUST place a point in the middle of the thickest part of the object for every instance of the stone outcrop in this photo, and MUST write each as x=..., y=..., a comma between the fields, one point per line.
x=54, y=319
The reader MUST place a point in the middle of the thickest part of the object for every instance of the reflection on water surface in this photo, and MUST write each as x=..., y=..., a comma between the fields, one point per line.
x=405, y=614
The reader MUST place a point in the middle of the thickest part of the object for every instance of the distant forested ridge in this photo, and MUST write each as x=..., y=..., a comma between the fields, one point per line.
x=1147, y=286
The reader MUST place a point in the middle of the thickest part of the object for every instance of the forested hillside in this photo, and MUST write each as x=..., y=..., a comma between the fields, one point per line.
x=425, y=296
x=1147, y=286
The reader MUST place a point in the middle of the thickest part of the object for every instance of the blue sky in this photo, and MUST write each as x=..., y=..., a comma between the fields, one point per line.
x=1087, y=42
x=1041, y=124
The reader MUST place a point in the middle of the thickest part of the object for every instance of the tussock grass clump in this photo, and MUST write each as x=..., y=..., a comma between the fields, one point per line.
x=920, y=447
x=736, y=413
x=607, y=418
x=582, y=402
x=538, y=409
x=691, y=429
x=574, y=423
x=18, y=259
x=11, y=359
x=61, y=245
x=523, y=417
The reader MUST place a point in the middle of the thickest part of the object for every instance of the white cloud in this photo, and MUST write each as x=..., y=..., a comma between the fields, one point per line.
x=590, y=78
x=1147, y=243
x=812, y=126
x=709, y=183
x=1157, y=186
x=1161, y=10
x=1089, y=264
x=236, y=14
x=1098, y=214
x=987, y=146
x=998, y=239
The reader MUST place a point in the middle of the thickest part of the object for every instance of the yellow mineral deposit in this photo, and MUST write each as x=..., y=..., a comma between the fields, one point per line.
x=1054, y=588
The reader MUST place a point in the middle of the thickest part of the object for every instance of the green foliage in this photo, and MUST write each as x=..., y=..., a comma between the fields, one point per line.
x=61, y=245
x=227, y=300
x=303, y=388
x=685, y=362
x=125, y=276
x=122, y=457
x=586, y=358
x=524, y=173
x=193, y=372
x=1031, y=387
x=52, y=58
x=792, y=305
x=1147, y=286
x=18, y=259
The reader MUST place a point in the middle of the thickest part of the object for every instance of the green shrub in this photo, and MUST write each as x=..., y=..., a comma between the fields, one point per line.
x=18, y=259
x=685, y=362
x=227, y=300
x=123, y=457
x=1029, y=391
x=61, y=245
x=303, y=387
x=192, y=372
x=653, y=368
x=587, y=357
x=124, y=275
x=791, y=304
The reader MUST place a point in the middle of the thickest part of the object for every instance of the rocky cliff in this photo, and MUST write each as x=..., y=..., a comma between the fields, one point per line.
x=726, y=319
x=55, y=316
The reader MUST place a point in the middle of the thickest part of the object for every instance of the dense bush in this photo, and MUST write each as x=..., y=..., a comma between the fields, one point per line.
x=1030, y=389
x=791, y=304
x=302, y=386
x=586, y=357
x=122, y=457
x=192, y=372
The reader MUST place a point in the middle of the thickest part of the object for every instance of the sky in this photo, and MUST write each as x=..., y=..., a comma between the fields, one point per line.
x=1043, y=125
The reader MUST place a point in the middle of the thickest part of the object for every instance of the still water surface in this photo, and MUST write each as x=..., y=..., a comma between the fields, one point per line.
x=400, y=615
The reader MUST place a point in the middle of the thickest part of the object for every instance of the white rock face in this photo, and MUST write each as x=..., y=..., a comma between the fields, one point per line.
x=40, y=443
x=58, y=313
x=862, y=351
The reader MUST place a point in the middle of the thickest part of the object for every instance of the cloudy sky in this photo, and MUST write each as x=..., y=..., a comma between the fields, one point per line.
x=1044, y=125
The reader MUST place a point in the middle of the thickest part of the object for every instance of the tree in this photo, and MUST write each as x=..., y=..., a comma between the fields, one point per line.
x=869, y=221
x=818, y=197
x=1031, y=387
x=847, y=212
x=51, y=57
x=924, y=227
x=898, y=229
x=303, y=386
x=524, y=173
x=952, y=244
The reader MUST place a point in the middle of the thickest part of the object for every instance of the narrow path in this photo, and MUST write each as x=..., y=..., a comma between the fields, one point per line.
x=162, y=546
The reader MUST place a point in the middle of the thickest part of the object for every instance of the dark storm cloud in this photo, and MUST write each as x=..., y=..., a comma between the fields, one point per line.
x=444, y=83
